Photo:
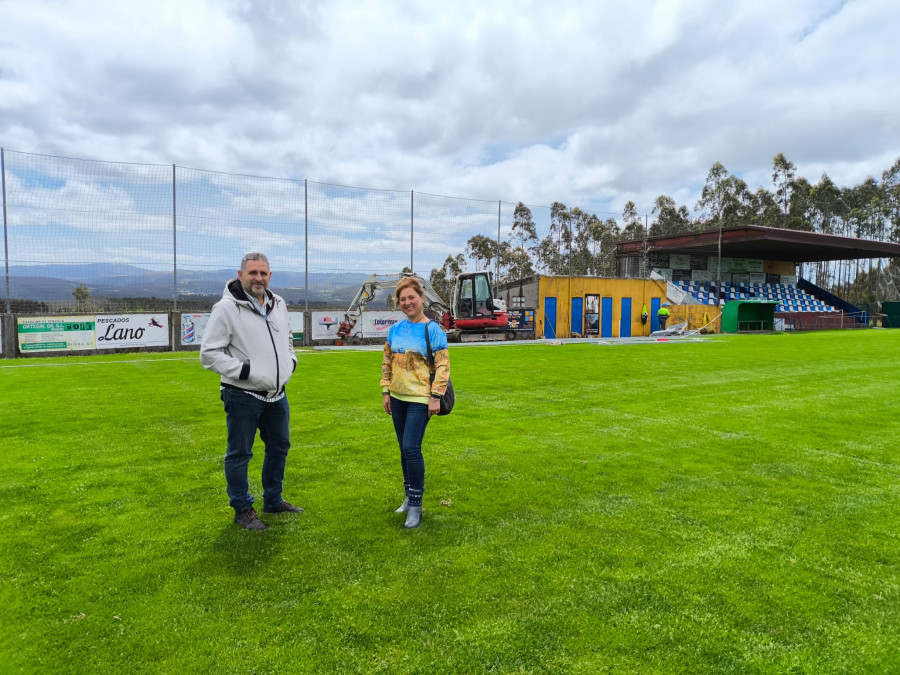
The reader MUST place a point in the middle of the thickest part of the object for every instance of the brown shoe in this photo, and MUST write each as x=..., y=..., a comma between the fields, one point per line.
x=249, y=520
x=283, y=507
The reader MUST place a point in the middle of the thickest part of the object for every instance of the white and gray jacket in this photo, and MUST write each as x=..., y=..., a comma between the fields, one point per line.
x=250, y=351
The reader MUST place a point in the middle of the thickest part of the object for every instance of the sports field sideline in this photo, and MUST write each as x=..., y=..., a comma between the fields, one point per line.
x=725, y=506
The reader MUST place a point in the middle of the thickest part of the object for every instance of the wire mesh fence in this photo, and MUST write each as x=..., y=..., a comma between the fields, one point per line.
x=86, y=235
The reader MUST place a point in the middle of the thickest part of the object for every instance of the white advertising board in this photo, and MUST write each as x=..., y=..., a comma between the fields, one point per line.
x=296, y=319
x=192, y=327
x=325, y=325
x=132, y=330
x=677, y=261
x=56, y=333
x=675, y=294
x=377, y=324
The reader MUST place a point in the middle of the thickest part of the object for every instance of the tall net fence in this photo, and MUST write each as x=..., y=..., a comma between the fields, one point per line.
x=84, y=235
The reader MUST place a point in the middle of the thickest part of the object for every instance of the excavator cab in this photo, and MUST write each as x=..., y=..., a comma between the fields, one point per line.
x=473, y=304
x=474, y=297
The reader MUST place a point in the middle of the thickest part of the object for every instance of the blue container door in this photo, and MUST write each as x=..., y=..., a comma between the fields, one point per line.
x=654, y=308
x=549, y=317
x=625, y=320
x=578, y=315
x=606, y=317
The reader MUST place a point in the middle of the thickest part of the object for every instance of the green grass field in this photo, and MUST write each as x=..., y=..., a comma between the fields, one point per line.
x=730, y=506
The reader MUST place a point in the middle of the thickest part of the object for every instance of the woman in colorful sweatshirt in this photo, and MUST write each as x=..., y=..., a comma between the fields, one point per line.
x=408, y=394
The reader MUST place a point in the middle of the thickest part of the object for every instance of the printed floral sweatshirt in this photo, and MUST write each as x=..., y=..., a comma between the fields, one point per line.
x=404, y=368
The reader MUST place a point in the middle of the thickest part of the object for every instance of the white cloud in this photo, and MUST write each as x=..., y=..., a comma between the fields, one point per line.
x=587, y=103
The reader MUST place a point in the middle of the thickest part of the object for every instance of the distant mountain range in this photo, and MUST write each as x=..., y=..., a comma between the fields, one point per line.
x=56, y=282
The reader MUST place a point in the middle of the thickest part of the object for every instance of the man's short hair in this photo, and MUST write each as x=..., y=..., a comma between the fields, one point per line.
x=254, y=256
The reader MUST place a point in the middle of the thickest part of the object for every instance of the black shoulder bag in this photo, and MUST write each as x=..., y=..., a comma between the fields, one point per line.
x=449, y=398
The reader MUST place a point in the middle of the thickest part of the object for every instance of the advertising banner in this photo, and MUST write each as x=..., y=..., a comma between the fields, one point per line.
x=718, y=265
x=377, y=324
x=757, y=278
x=658, y=259
x=56, y=333
x=699, y=262
x=192, y=327
x=789, y=279
x=701, y=275
x=325, y=325
x=675, y=294
x=296, y=319
x=778, y=267
x=523, y=319
x=132, y=330
x=739, y=265
x=679, y=261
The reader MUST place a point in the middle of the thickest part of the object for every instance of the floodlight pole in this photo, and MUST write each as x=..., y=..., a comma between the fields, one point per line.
x=5, y=239
x=174, y=248
x=499, y=205
x=306, y=241
x=719, y=262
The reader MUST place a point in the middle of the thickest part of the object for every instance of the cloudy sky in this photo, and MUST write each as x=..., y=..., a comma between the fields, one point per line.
x=589, y=103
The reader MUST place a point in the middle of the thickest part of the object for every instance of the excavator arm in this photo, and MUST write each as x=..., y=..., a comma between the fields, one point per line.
x=374, y=283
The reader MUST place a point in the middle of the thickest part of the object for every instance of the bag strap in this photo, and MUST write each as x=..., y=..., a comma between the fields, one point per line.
x=430, y=358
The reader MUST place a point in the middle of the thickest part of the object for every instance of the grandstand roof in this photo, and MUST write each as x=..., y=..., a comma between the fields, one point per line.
x=766, y=243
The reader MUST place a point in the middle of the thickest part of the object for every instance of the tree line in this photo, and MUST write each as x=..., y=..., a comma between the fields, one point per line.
x=580, y=243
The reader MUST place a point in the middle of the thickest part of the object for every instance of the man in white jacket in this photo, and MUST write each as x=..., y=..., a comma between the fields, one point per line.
x=248, y=342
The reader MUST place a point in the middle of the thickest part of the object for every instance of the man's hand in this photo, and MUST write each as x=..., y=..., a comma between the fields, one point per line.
x=386, y=403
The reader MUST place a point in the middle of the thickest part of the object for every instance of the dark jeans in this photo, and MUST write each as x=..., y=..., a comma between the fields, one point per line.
x=410, y=420
x=244, y=414
x=662, y=322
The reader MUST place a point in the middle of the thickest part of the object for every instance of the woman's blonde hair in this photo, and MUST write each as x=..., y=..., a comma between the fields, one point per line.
x=409, y=282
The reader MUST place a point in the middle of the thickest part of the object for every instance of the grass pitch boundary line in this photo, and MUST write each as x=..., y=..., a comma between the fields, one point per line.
x=94, y=363
x=196, y=357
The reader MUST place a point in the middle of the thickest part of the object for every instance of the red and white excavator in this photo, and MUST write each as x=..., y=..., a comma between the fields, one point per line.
x=473, y=315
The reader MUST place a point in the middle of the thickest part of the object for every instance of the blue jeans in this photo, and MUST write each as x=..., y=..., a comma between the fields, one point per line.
x=410, y=420
x=244, y=414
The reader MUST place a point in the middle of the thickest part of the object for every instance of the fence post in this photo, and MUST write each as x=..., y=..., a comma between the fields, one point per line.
x=307, y=325
x=9, y=344
x=497, y=278
x=174, y=248
x=5, y=239
x=412, y=210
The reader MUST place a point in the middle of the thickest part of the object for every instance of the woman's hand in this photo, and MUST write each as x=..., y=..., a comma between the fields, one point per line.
x=434, y=407
x=386, y=403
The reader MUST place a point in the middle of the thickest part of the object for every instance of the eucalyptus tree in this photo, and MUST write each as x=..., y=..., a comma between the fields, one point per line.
x=523, y=227
x=783, y=173
x=482, y=250
x=764, y=209
x=669, y=218
x=724, y=200
x=442, y=278
x=632, y=225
